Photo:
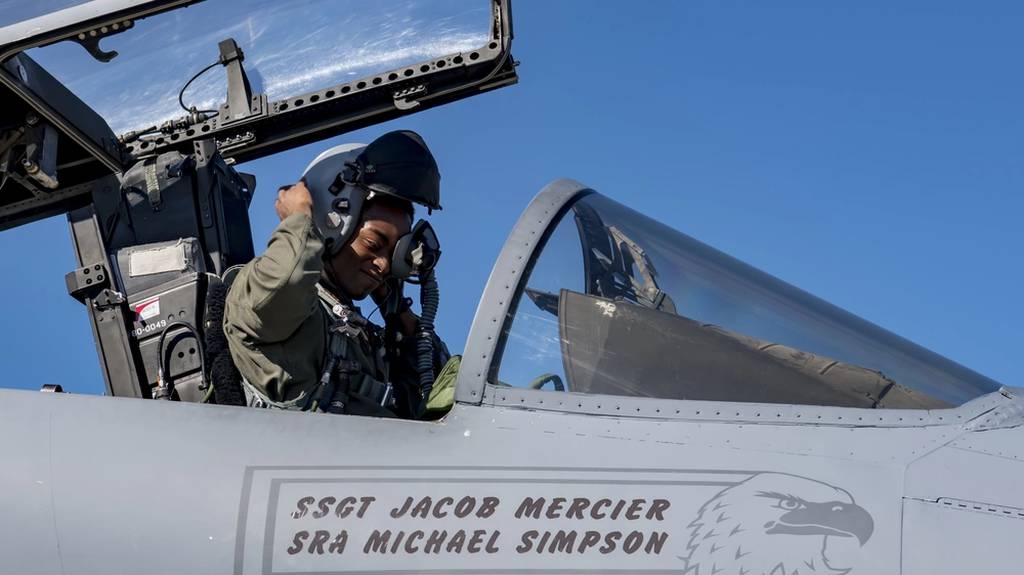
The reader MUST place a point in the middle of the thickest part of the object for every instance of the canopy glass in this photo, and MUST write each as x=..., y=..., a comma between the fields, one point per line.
x=291, y=47
x=620, y=304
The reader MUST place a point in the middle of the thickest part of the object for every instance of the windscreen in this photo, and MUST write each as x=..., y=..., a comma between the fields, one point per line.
x=617, y=303
x=291, y=47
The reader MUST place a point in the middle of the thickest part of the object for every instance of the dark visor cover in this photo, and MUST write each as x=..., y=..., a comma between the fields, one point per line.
x=400, y=164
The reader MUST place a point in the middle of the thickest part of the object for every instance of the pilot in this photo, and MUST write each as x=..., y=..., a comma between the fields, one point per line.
x=291, y=320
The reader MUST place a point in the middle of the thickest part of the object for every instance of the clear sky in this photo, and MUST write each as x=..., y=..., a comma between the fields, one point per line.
x=869, y=152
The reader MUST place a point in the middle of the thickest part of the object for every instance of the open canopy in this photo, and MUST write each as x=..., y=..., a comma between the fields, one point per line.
x=121, y=80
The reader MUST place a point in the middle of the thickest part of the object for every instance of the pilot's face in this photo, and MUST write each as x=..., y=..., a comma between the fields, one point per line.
x=365, y=261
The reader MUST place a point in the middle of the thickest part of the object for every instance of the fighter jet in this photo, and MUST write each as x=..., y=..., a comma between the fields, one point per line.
x=629, y=400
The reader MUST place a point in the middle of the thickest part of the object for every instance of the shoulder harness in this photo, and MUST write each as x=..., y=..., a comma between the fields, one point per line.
x=342, y=378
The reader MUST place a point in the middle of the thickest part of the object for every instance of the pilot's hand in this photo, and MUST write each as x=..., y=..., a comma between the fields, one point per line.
x=293, y=200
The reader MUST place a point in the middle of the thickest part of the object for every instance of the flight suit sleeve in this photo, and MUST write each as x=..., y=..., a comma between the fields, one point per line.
x=274, y=293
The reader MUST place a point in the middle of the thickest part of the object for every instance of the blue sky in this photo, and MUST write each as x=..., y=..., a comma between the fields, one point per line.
x=868, y=152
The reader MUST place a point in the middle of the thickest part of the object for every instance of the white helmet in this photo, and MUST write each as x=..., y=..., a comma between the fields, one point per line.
x=342, y=178
x=335, y=209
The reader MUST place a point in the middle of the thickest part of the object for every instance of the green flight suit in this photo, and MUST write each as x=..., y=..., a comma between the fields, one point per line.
x=276, y=327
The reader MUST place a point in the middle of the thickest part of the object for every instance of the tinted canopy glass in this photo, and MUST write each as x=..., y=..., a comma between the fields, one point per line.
x=620, y=304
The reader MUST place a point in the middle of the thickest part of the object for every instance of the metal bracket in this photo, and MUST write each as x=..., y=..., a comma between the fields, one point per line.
x=87, y=282
x=40, y=161
x=204, y=151
x=232, y=142
x=120, y=360
x=91, y=40
x=107, y=299
x=242, y=104
x=404, y=98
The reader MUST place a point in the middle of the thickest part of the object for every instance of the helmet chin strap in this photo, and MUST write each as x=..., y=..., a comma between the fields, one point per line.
x=328, y=277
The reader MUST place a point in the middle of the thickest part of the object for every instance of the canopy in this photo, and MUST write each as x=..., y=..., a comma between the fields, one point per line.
x=255, y=76
x=617, y=303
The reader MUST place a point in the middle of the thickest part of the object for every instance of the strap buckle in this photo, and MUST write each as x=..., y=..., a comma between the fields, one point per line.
x=379, y=392
x=388, y=397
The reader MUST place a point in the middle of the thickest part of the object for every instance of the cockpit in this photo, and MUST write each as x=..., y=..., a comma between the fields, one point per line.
x=613, y=302
x=130, y=116
x=588, y=296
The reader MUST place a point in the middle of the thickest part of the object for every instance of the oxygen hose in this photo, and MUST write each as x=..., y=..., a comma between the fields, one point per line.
x=430, y=297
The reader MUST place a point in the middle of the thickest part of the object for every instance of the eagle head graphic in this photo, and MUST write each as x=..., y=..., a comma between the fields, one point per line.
x=777, y=524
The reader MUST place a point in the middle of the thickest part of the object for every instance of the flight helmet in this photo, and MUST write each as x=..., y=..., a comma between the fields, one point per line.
x=343, y=178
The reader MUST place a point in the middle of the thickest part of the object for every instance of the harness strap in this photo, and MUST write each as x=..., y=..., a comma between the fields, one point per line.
x=379, y=392
x=341, y=377
x=349, y=377
x=327, y=396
